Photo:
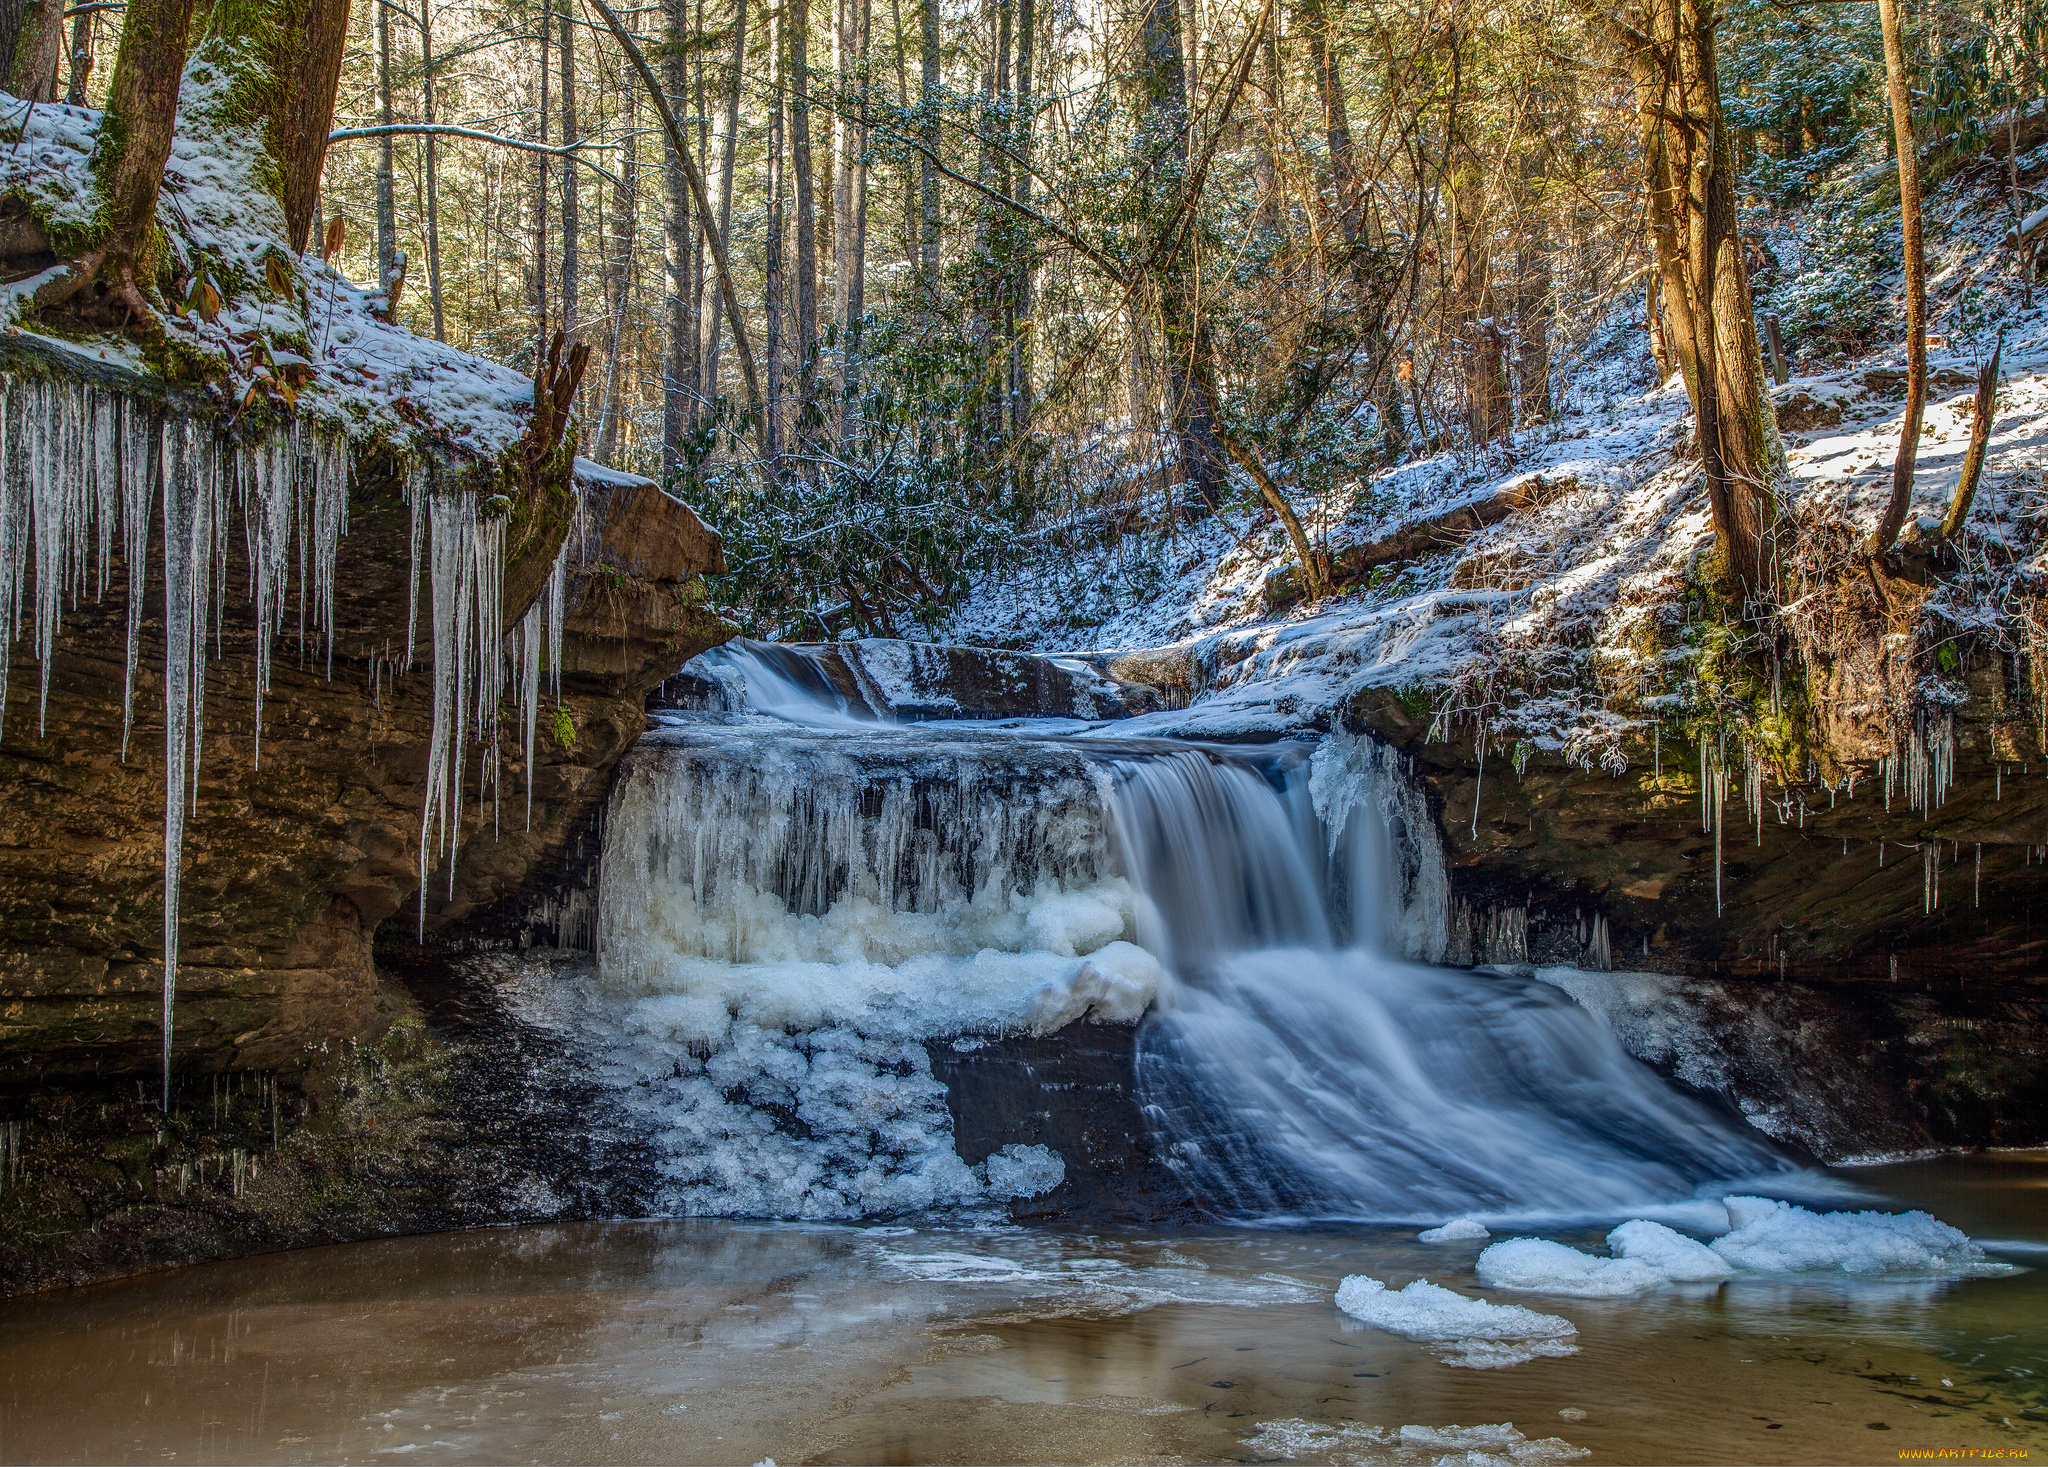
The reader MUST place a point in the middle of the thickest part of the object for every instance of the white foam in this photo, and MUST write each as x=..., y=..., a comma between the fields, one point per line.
x=1778, y=1237
x=1470, y=1332
x=1457, y=1230
x=1537, y=1265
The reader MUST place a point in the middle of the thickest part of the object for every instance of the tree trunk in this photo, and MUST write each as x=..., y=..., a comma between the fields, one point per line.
x=928, y=123
x=1709, y=325
x=81, y=57
x=853, y=287
x=540, y=191
x=302, y=109
x=1897, y=85
x=728, y=161
x=387, y=208
x=771, y=270
x=1164, y=91
x=806, y=342
x=142, y=113
x=31, y=39
x=618, y=278
x=433, y=171
x=1477, y=334
x=1533, y=306
x=1021, y=291
x=572, y=201
x=679, y=352
x=1344, y=177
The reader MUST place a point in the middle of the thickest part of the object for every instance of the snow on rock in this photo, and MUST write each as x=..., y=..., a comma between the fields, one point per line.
x=1769, y=1236
x=369, y=377
x=1465, y=1331
x=1458, y=1230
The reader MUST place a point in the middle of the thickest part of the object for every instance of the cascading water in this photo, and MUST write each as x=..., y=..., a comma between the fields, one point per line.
x=788, y=913
x=1303, y=1069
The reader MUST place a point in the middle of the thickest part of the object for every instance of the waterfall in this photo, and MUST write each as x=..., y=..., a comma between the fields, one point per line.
x=1301, y=1073
x=792, y=905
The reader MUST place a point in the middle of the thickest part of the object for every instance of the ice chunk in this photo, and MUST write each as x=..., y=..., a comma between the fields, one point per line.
x=1779, y=1237
x=1673, y=1254
x=1113, y=986
x=1471, y=1331
x=1074, y=923
x=1537, y=1265
x=1457, y=1230
x=1024, y=1171
x=1297, y=1440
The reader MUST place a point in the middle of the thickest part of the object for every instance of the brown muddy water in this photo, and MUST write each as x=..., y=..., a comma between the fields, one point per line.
x=713, y=1342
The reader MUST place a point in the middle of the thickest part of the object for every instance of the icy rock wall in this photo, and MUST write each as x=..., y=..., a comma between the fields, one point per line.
x=88, y=475
x=784, y=918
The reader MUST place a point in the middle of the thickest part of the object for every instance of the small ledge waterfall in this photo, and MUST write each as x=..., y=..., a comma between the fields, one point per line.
x=792, y=907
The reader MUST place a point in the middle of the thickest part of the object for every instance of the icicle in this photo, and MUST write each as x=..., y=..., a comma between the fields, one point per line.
x=329, y=463
x=139, y=471
x=529, y=691
x=1479, y=783
x=1657, y=755
x=1977, y=879
x=13, y=526
x=416, y=499
x=268, y=512
x=558, y=580
x=182, y=599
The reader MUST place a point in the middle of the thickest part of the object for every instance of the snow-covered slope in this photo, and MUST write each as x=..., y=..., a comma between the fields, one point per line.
x=1554, y=624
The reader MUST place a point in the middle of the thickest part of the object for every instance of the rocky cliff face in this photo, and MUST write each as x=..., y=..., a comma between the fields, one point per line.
x=292, y=863
x=1555, y=863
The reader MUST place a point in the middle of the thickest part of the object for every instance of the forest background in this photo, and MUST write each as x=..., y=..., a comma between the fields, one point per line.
x=895, y=291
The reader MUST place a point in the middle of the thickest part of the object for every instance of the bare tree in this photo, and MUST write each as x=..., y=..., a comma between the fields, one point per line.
x=1915, y=263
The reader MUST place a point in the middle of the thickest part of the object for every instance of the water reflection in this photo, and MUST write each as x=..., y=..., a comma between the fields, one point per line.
x=718, y=1342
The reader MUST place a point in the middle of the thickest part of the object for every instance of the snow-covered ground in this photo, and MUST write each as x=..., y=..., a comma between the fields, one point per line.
x=1546, y=624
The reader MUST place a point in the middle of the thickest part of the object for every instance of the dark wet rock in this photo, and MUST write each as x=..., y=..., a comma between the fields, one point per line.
x=1075, y=1091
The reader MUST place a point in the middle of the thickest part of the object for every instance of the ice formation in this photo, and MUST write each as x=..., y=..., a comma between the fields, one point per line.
x=83, y=471
x=1537, y=1265
x=1680, y=1259
x=1768, y=1236
x=784, y=919
x=1358, y=1445
x=1469, y=1332
x=1457, y=1230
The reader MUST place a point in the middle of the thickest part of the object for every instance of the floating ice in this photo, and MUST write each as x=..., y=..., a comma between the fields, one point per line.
x=1778, y=1237
x=1457, y=1230
x=1537, y=1265
x=1469, y=1332
x=1359, y=1445
x=1680, y=1259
